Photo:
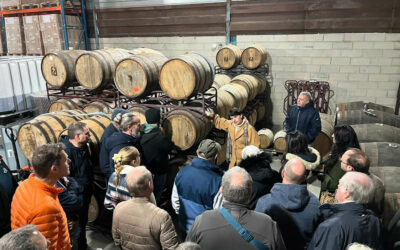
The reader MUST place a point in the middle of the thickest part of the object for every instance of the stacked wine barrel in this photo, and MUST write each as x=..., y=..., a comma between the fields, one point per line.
x=48, y=127
x=378, y=131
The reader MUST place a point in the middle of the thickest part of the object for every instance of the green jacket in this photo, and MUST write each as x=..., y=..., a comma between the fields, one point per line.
x=332, y=178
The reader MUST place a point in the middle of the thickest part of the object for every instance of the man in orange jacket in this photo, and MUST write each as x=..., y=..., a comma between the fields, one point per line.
x=36, y=199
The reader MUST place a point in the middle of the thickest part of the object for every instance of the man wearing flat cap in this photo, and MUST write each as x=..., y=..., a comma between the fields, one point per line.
x=196, y=185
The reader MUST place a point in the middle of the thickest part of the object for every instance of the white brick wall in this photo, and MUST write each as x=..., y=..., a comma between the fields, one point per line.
x=358, y=66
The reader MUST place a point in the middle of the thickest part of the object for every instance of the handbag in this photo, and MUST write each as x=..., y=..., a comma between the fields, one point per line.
x=241, y=230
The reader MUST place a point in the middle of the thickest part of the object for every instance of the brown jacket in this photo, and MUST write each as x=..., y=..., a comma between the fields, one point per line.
x=36, y=202
x=139, y=224
x=236, y=134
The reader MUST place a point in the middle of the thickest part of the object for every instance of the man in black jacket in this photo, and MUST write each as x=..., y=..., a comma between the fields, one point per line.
x=81, y=170
x=128, y=135
x=156, y=147
x=304, y=117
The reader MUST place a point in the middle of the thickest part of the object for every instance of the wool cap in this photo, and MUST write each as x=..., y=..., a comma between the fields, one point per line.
x=117, y=111
x=152, y=115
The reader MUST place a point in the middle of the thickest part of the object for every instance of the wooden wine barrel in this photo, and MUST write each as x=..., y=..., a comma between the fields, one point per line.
x=239, y=94
x=382, y=153
x=186, y=128
x=252, y=117
x=225, y=102
x=375, y=132
x=221, y=158
x=266, y=137
x=95, y=69
x=279, y=141
x=44, y=129
x=390, y=177
x=361, y=105
x=391, y=206
x=254, y=56
x=140, y=111
x=260, y=112
x=58, y=67
x=351, y=117
x=138, y=75
x=323, y=141
x=186, y=75
x=67, y=104
x=98, y=106
x=221, y=80
x=96, y=125
x=228, y=56
x=249, y=82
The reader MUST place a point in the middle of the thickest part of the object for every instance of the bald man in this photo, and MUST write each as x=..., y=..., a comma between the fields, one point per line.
x=212, y=231
x=295, y=198
x=349, y=221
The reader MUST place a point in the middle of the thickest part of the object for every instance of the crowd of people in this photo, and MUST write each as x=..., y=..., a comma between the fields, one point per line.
x=248, y=206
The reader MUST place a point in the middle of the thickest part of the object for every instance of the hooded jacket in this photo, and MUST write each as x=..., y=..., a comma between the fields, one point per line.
x=112, y=146
x=310, y=161
x=263, y=176
x=303, y=206
x=344, y=224
x=36, y=202
x=156, y=146
x=195, y=188
x=81, y=163
x=236, y=134
x=304, y=119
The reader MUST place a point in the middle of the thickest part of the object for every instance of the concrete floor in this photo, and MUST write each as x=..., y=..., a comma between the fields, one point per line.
x=98, y=240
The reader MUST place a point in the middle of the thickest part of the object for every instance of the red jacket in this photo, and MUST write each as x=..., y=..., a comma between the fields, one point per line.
x=36, y=202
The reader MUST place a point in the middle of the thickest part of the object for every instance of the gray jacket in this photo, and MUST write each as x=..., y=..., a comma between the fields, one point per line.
x=139, y=224
x=211, y=231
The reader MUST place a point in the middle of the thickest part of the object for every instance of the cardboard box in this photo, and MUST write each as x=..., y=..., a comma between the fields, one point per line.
x=52, y=32
x=33, y=36
x=10, y=4
x=15, y=35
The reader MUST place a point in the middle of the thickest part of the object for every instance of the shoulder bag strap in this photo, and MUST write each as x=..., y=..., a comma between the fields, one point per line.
x=241, y=230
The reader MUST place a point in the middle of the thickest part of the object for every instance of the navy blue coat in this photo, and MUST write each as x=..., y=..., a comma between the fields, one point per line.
x=344, y=224
x=71, y=196
x=303, y=206
x=304, y=119
x=197, y=185
x=108, y=132
x=81, y=167
x=112, y=146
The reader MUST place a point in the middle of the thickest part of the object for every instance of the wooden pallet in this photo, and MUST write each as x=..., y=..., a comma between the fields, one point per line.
x=30, y=6
x=15, y=7
x=67, y=4
x=34, y=54
x=15, y=54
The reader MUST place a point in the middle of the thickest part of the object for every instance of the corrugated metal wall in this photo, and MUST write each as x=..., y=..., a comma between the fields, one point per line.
x=200, y=18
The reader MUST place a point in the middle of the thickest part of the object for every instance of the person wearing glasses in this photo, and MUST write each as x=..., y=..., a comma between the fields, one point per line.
x=344, y=137
x=81, y=169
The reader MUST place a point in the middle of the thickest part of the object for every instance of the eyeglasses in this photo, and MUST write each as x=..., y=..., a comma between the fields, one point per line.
x=344, y=162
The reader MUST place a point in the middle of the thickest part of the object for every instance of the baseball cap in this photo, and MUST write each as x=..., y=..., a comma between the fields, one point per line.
x=208, y=148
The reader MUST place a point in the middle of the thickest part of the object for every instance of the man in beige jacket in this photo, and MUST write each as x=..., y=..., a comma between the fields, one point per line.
x=240, y=135
x=138, y=223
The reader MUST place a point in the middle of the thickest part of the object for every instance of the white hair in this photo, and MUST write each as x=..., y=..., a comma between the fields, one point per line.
x=359, y=185
x=306, y=93
x=250, y=151
x=236, y=189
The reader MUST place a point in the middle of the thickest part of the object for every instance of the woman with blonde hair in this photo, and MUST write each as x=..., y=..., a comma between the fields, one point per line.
x=125, y=161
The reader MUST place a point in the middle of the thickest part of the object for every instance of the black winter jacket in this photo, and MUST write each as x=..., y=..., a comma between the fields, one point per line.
x=81, y=167
x=263, y=176
x=156, y=147
x=304, y=119
x=71, y=196
x=112, y=146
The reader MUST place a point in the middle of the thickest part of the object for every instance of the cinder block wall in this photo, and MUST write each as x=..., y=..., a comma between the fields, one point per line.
x=358, y=66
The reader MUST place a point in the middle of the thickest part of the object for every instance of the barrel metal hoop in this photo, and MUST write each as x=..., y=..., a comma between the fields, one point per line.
x=41, y=129
x=94, y=134
x=99, y=123
x=58, y=120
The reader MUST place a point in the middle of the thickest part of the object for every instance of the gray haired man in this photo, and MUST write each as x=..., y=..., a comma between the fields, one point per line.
x=304, y=117
x=212, y=231
x=27, y=237
x=349, y=221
